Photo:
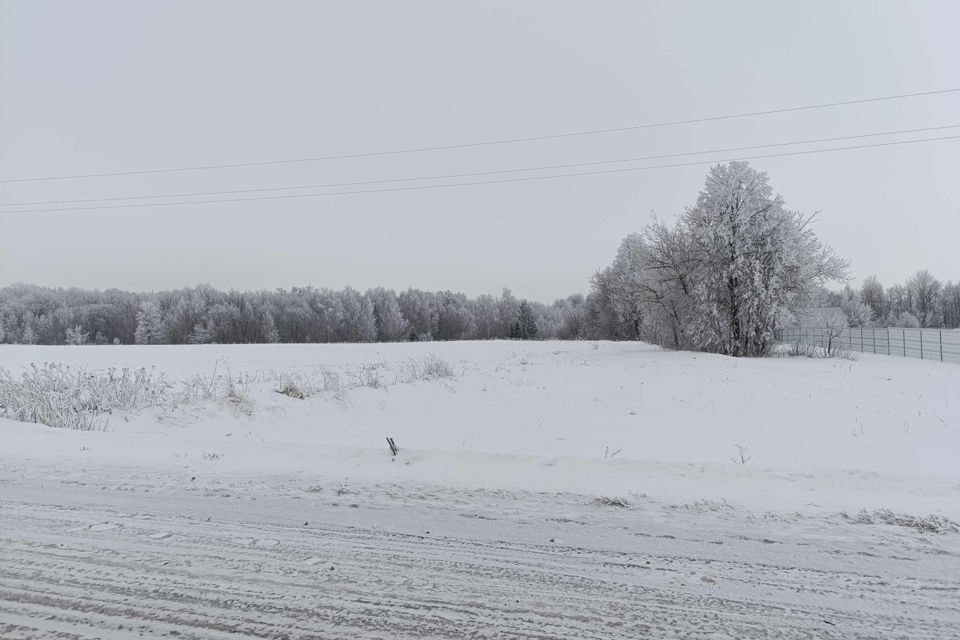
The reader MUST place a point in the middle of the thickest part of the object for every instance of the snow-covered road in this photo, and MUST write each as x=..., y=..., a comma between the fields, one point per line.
x=160, y=554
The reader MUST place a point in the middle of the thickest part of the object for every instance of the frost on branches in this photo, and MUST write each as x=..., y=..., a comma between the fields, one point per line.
x=734, y=265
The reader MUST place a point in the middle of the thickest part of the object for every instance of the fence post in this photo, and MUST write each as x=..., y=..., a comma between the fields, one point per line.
x=888, y=340
x=874, y=333
x=861, y=339
x=921, y=343
x=904, y=337
x=941, y=345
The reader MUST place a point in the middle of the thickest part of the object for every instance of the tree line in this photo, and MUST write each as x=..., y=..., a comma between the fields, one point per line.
x=921, y=301
x=197, y=315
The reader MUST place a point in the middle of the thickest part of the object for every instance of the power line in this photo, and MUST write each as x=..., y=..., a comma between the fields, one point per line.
x=482, y=182
x=486, y=143
x=477, y=173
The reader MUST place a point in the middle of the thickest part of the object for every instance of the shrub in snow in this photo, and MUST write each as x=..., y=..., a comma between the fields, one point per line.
x=742, y=456
x=369, y=376
x=604, y=501
x=302, y=386
x=432, y=367
x=291, y=389
x=808, y=350
x=908, y=321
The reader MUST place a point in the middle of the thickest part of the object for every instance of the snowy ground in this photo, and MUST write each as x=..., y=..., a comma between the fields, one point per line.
x=295, y=522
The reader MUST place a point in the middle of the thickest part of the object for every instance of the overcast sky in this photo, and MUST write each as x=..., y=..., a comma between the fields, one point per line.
x=118, y=86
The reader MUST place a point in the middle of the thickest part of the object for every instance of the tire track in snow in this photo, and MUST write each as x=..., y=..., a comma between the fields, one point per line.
x=75, y=566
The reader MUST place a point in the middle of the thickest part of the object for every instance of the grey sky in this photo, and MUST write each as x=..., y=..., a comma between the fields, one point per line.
x=114, y=86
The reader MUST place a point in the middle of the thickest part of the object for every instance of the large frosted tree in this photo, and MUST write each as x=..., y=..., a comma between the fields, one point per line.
x=754, y=259
x=720, y=280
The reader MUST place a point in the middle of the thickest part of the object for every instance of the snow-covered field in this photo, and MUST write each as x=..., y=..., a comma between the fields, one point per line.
x=288, y=517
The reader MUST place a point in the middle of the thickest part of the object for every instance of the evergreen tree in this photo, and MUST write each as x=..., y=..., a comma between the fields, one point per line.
x=201, y=334
x=525, y=326
x=149, y=324
x=270, y=333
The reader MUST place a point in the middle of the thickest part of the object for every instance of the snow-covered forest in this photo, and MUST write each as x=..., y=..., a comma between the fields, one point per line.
x=203, y=314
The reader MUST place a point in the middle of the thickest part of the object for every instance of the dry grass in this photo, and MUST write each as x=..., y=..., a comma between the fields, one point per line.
x=61, y=396
x=68, y=397
x=370, y=376
x=929, y=524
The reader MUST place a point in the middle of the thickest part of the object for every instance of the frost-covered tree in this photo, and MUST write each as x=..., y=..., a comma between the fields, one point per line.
x=858, y=314
x=484, y=312
x=925, y=294
x=270, y=333
x=454, y=320
x=76, y=336
x=898, y=301
x=356, y=323
x=27, y=337
x=390, y=323
x=507, y=307
x=873, y=295
x=571, y=319
x=188, y=311
x=201, y=334
x=950, y=305
x=720, y=280
x=623, y=295
x=242, y=319
x=420, y=310
x=670, y=269
x=150, y=325
x=754, y=260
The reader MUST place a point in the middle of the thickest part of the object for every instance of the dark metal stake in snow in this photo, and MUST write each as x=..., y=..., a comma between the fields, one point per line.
x=393, y=447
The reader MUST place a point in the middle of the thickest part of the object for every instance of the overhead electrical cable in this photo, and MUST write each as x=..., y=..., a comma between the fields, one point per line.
x=486, y=143
x=482, y=182
x=475, y=173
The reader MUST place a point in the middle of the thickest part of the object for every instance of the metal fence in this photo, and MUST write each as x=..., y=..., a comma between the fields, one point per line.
x=927, y=344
